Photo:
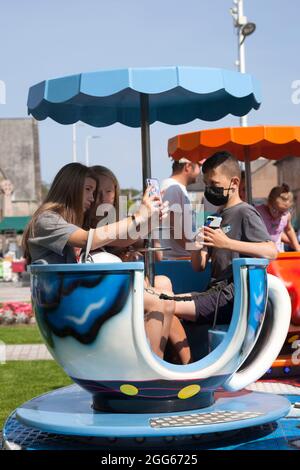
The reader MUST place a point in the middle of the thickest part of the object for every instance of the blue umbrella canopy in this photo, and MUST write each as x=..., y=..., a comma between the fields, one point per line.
x=176, y=95
x=137, y=97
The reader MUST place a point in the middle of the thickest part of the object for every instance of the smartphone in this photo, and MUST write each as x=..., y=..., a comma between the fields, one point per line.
x=155, y=187
x=213, y=221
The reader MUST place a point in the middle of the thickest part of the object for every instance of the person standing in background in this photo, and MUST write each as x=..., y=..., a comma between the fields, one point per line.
x=180, y=224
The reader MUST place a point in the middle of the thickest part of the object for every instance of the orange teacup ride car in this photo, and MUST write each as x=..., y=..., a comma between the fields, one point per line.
x=287, y=268
x=248, y=144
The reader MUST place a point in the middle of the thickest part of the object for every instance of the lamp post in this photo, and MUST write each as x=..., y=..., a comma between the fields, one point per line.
x=244, y=29
x=87, y=140
x=74, y=143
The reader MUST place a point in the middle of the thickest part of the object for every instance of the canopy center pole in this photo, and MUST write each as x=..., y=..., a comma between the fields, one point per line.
x=248, y=175
x=145, y=135
x=146, y=162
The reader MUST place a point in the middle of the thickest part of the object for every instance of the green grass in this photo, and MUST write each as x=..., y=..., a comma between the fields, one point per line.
x=20, y=334
x=22, y=380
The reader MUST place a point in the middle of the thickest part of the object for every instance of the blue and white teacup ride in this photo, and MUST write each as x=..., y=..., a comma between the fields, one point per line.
x=91, y=317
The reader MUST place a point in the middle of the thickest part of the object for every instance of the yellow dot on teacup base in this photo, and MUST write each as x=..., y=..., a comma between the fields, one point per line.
x=189, y=391
x=293, y=338
x=130, y=390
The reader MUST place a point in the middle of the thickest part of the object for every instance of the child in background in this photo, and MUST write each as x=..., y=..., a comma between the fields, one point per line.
x=277, y=217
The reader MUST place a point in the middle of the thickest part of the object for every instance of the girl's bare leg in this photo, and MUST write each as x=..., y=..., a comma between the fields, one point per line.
x=163, y=284
x=176, y=331
x=158, y=320
x=179, y=341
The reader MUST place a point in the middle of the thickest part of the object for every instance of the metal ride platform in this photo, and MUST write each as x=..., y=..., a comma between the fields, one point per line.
x=243, y=420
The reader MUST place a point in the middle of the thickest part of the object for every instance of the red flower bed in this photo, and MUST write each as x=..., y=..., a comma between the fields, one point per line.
x=15, y=312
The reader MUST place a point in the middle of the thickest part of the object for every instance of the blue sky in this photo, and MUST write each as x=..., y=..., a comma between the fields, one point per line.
x=52, y=38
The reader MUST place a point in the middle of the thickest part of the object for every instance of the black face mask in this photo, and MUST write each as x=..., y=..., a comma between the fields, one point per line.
x=215, y=195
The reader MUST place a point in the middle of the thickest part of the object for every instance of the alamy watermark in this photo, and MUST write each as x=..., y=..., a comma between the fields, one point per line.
x=296, y=354
x=2, y=92
x=180, y=222
x=296, y=93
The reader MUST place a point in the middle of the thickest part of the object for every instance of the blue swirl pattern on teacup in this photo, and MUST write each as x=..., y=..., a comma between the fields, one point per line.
x=78, y=306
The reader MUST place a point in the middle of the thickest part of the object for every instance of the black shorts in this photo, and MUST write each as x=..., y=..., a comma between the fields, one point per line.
x=206, y=303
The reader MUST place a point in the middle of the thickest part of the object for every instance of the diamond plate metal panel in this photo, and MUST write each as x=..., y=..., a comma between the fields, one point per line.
x=201, y=418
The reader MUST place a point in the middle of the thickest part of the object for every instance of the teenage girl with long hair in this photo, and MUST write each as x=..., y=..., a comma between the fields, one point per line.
x=57, y=229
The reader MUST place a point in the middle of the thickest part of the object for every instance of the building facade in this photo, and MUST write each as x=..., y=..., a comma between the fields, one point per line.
x=264, y=177
x=20, y=176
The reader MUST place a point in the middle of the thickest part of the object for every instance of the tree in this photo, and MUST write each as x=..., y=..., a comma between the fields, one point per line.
x=133, y=195
x=44, y=189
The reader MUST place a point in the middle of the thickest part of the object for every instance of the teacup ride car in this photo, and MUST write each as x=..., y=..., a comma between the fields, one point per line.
x=249, y=144
x=91, y=316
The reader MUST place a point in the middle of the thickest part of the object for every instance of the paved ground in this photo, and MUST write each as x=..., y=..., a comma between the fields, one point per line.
x=13, y=292
x=27, y=352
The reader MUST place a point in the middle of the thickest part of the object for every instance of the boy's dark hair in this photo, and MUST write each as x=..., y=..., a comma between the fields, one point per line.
x=230, y=165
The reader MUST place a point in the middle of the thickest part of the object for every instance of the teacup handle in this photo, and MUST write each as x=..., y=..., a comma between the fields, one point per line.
x=268, y=347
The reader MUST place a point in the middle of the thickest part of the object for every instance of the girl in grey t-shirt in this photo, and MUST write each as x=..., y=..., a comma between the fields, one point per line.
x=56, y=230
x=64, y=211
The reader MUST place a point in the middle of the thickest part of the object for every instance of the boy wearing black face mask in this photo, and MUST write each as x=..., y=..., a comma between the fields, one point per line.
x=242, y=233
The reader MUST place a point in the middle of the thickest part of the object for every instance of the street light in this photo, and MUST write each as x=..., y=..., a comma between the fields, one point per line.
x=74, y=139
x=244, y=29
x=247, y=29
x=87, y=140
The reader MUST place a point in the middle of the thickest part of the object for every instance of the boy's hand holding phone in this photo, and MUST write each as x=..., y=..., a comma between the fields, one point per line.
x=214, y=223
x=215, y=238
x=213, y=235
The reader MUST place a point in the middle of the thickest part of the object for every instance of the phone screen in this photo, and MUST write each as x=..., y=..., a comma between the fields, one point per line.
x=155, y=185
x=213, y=221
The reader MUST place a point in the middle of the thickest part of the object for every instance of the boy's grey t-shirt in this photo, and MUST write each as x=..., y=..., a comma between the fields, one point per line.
x=51, y=234
x=241, y=222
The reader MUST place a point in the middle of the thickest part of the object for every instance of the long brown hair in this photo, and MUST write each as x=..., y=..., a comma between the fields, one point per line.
x=65, y=197
x=100, y=170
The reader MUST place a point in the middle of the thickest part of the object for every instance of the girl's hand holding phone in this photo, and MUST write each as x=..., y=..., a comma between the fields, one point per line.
x=150, y=209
